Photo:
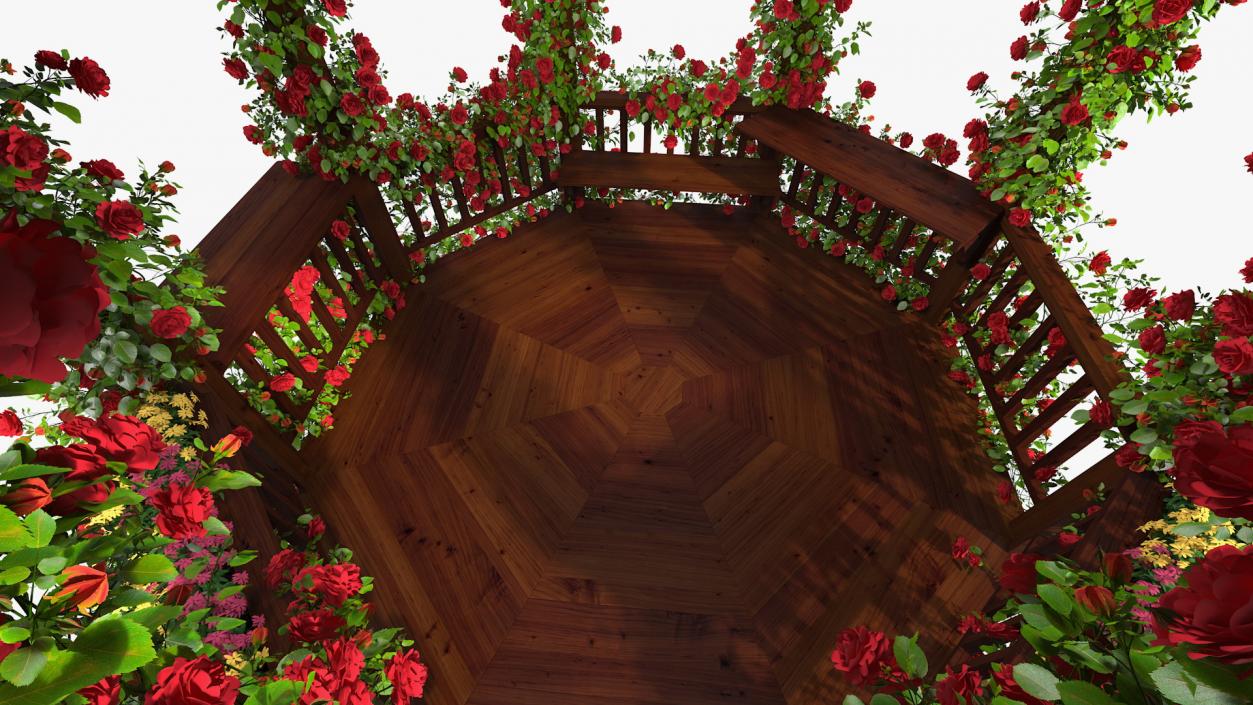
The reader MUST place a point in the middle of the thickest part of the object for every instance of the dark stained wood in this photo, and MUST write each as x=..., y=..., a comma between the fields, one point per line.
x=670, y=172
x=924, y=192
x=638, y=455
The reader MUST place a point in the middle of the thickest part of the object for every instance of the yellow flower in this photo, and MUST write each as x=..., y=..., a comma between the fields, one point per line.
x=187, y=453
x=106, y=517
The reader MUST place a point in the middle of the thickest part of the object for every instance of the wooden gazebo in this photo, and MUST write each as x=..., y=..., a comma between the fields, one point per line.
x=642, y=455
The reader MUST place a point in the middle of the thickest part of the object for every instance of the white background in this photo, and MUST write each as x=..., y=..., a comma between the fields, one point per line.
x=1180, y=192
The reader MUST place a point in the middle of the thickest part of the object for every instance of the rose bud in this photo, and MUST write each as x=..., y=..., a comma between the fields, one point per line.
x=228, y=446
x=1096, y=599
x=1118, y=567
x=31, y=494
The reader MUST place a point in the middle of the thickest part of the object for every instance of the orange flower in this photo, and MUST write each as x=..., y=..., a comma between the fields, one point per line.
x=83, y=587
x=30, y=495
x=228, y=446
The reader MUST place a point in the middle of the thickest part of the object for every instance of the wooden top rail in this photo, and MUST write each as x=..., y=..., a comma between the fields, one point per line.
x=614, y=100
x=670, y=172
x=924, y=192
x=1069, y=312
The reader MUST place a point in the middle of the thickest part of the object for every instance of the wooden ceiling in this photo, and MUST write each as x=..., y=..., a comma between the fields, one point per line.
x=639, y=456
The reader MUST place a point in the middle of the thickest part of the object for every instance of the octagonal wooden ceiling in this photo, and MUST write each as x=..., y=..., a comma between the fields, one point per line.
x=645, y=456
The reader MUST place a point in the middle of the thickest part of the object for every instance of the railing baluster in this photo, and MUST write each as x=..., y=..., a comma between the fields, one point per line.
x=600, y=129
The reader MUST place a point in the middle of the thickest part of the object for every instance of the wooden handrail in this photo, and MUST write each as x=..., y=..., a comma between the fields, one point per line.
x=616, y=100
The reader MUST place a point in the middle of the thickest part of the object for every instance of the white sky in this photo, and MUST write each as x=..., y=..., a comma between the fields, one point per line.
x=1180, y=192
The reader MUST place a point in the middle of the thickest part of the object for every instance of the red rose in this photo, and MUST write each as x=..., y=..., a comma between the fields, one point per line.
x=336, y=376
x=236, y=68
x=615, y=34
x=1181, y=305
x=333, y=583
x=1234, y=356
x=283, y=567
x=1129, y=458
x=10, y=424
x=1018, y=50
x=959, y=687
x=83, y=460
x=1018, y=573
x=316, y=34
x=863, y=654
x=1212, y=466
x=1125, y=59
x=1234, y=312
x=52, y=299
x=1170, y=11
x=89, y=77
x=1010, y=688
x=351, y=104
x=283, y=382
x=843, y=5
x=1188, y=58
x=104, y=170
x=1029, y=12
x=21, y=149
x=459, y=114
x=170, y=323
x=105, y=692
x=335, y=8
x=123, y=439
x=1118, y=567
x=50, y=60
x=314, y=626
x=243, y=434
x=1247, y=270
x=119, y=219
x=1138, y=298
x=1102, y=414
x=407, y=674
x=182, y=510
x=1075, y=112
x=1069, y=10
x=29, y=495
x=545, y=67
x=976, y=81
x=1248, y=163
x=867, y=89
x=198, y=681
x=1020, y=217
x=1153, y=340
x=1213, y=616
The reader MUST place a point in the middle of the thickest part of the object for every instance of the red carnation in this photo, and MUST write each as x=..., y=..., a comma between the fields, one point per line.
x=89, y=77
x=867, y=89
x=1188, y=58
x=314, y=626
x=170, y=323
x=198, y=681
x=976, y=81
x=52, y=299
x=1170, y=11
x=1213, y=616
x=1234, y=312
x=1212, y=466
x=863, y=654
x=1181, y=305
x=1234, y=356
x=182, y=510
x=1100, y=263
x=119, y=219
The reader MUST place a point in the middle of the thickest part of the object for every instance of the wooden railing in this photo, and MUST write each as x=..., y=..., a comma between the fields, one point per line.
x=444, y=208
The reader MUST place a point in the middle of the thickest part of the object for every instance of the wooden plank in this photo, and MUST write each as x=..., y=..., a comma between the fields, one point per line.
x=670, y=172
x=927, y=193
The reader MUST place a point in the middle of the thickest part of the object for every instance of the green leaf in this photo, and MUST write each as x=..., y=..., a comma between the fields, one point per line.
x=1183, y=688
x=13, y=633
x=13, y=533
x=52, y=565
x=883, y=699
x=152, y=568
x=1082, y=693
x=68, y=111
x=14, y=575
x=126, y=351
x=23, y=388
x=159, y=352
x=42, y=527
x=21, y=472
x=22, y=666
x=1218, y=676
x=1144, y=435
x=118, y=498
x=229, y=480
x=155, y=616
x=286, y=692
x=848, y=700
x=106, y=647
x=1037, y=681
x=1056, y=598
x=909, y=656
